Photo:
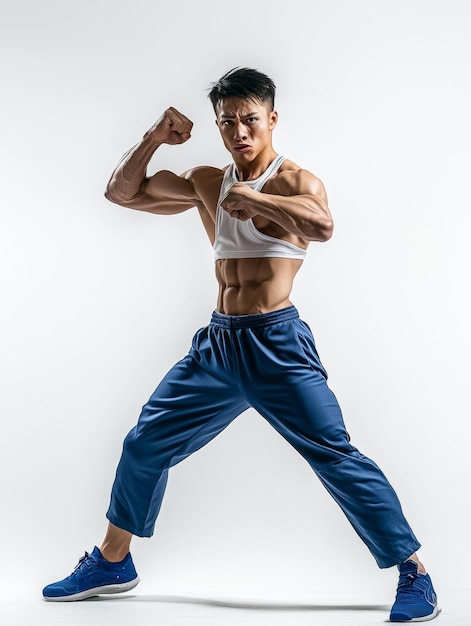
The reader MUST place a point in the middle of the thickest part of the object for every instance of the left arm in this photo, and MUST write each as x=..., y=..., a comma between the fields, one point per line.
x=300, y=205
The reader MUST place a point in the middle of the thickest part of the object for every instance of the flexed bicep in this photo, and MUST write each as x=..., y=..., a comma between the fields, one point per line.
x=166, y=193
x=129, y=184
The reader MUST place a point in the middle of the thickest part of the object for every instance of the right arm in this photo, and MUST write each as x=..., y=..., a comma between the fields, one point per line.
x=164, y=192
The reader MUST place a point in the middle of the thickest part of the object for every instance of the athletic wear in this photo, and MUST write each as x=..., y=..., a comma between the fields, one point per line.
x=242, y=240
x=416, y=600
x=269, y=362
x=92, y=576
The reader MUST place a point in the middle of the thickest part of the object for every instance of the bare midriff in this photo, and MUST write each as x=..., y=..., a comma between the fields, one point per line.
x=251, y=286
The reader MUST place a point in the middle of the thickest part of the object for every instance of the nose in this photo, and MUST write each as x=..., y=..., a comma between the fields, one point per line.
x=240, y=132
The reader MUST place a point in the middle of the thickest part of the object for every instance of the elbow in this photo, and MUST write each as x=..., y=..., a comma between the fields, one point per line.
x=110, y=193
x=114, y=198
x=327, y=230
x=322, y=231
x=109, y=196
x=113, y=195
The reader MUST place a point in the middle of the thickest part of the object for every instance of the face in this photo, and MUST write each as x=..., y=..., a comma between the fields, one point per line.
x=246, y=127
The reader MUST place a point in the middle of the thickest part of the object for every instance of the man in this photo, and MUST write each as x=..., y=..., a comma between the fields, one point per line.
x=260, y=214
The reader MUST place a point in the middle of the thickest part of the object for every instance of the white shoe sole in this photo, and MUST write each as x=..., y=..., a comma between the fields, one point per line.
x=96, y=591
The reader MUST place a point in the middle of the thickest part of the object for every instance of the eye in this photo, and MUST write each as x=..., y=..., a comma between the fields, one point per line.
x=251, y=120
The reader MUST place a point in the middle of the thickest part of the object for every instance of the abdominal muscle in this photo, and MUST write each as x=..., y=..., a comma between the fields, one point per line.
x=251, y=286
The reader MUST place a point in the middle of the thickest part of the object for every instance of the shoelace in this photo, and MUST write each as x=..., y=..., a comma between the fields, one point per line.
x=85, y=561
x=411, y=584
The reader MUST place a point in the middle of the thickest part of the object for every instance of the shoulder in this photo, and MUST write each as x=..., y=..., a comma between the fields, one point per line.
x=206, y=183
x=204, y=179
x=292, y=179
x=203, y=174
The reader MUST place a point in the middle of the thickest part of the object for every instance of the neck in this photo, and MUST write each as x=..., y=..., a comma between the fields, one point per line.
x=250, y=170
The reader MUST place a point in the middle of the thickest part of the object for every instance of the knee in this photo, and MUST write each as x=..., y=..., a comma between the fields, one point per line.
x=139, y=445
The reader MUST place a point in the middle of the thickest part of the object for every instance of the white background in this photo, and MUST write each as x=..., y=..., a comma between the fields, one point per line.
x=97, y=301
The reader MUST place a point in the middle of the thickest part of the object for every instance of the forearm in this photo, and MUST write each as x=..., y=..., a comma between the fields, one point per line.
x=126, y=180
x=306, y=216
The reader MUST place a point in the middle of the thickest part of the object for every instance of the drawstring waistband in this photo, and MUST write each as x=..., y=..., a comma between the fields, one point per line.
x=256, y=320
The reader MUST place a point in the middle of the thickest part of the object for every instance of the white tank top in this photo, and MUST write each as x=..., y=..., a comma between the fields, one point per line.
x=242, y=240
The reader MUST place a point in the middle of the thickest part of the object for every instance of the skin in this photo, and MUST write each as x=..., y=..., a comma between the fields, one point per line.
x=291, y=206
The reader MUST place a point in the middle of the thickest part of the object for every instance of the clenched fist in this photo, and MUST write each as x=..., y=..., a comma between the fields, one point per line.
x=172, y=127
x=240, y=202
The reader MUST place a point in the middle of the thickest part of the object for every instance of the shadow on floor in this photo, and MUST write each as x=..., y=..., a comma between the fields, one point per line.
x=241, y=603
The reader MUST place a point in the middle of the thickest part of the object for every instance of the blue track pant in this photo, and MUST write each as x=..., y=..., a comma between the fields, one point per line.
x=268, y=362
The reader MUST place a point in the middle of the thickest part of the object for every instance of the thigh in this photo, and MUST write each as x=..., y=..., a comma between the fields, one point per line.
x=195, y=401
x=289, y=388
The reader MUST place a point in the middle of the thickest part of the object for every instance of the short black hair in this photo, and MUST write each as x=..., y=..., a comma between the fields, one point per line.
x=245, y=83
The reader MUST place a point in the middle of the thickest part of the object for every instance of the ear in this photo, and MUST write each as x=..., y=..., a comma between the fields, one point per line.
x=273, y=119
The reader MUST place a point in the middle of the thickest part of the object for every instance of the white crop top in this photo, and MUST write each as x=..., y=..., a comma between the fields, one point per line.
x=242, y=240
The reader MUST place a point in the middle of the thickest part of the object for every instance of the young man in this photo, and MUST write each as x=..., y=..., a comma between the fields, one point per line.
x=260, y=214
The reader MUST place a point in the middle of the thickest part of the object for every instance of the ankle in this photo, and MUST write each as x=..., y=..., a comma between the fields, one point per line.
x=113, y=555
x=420, y=566
x=116, y=544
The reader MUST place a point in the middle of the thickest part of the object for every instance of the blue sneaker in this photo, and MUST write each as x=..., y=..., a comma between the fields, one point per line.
x=416, y=600
x=92, y=576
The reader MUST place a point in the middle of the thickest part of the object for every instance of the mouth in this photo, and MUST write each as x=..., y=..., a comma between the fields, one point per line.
x=241, y=147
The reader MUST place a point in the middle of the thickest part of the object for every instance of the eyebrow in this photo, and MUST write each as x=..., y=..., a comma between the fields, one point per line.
x=228, y=116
